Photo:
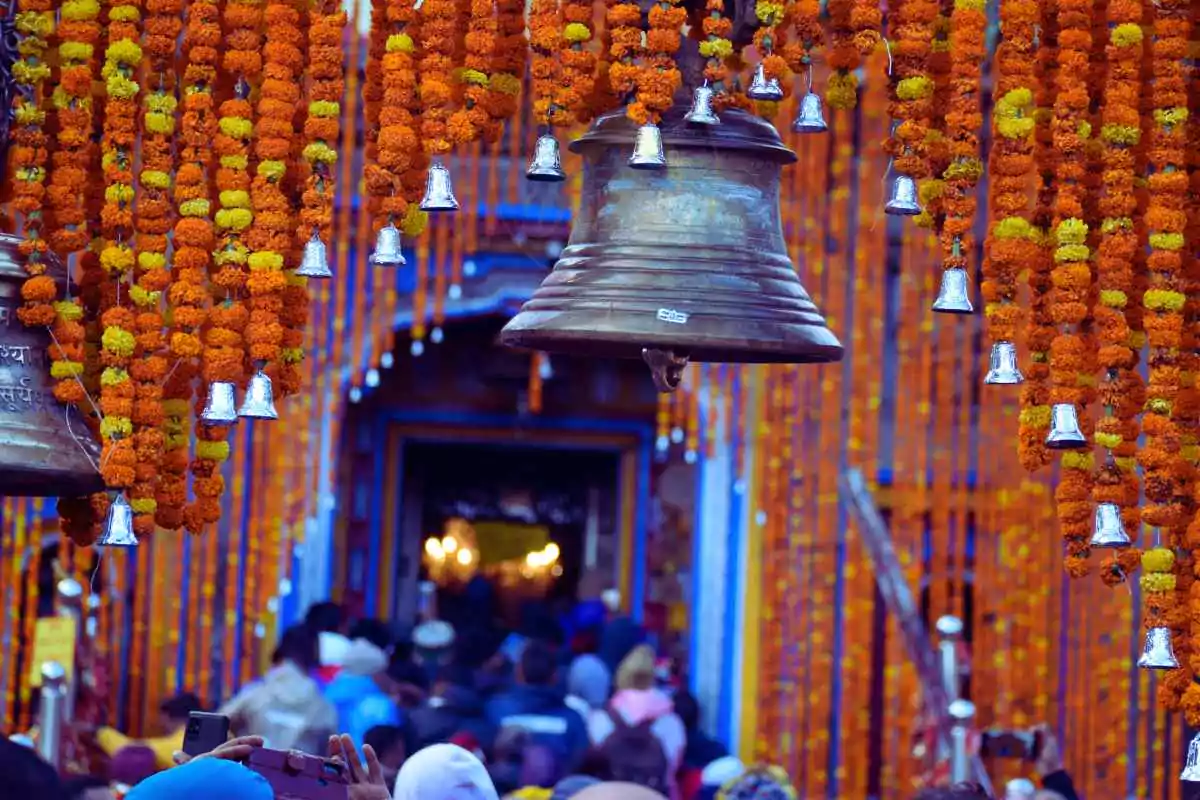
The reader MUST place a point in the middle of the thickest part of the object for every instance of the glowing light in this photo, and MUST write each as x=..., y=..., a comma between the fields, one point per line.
x=533, y=560
x=450, y=544
x=465, y=557
x=552, y=553
x=433, y=548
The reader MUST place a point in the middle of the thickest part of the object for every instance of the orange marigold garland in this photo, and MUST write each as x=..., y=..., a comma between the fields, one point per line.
x=717, y=47
x=468, y=123
x=841, y=91
x=1072, y=276
x=769, y=37
x=123, y=57
x=578, y=61
x=507, y=65
x=1191, y=696
x=1034, y=420
x=1165, y=298
x=545, y=39
x=659, y=75
x=625, y=28
x=912, y=88
x=194, y=240
x=1121, y=389
x=28, y=159
x=1011, y=243
x=154, y=221
x=436, y=91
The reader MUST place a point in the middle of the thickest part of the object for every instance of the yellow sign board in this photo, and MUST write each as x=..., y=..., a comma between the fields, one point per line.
x=53, y=640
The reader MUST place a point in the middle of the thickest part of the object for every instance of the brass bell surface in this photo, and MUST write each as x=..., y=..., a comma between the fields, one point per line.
x=1158, y=652
x=1003, y=369
x=387, y=248
x=439, y=192
x=1065, y=433
x=1108, y=530
x=701, y=112
x=902, y=199
x=546, y=164
x=689, y=260
x=46, y=449
x=954, y=295
x=811, y=118
x=315, y=263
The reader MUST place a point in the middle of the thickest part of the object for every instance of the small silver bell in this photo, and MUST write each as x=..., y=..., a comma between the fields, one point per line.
x=648, y=148
x=1158, y=652
x=439, y=193
x=811, y=118
x=701, y=112
x=220, y=406
x=763, y=89
x=316, y=260
x=259, y=402
x=387, y=248
x=1108, y=530
x=118, y=524
x=1191, y=768
x=1064, y=428
x=953, y=295
x=546, y=164
x=1003, y=370
x=902, y=200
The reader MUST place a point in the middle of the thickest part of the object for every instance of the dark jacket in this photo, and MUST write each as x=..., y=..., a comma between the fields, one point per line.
x=1060, y=782
x=458, y=709
x=540, y=710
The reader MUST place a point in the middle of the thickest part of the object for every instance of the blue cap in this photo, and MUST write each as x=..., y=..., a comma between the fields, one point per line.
x=204, y=779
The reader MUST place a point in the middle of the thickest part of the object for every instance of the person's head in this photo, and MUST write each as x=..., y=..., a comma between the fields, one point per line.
x=132, y=764
x=637, y=669
x=325, y=617
x=589, y=680
x=617, y=791
x=759, y=783
x=173, y=712
x=200, y=779
x=538, y=664
x=570, y=786
x=393, y=744
x=299, y=646
x=1047, y=794
x=375, y=632
x=445, y=772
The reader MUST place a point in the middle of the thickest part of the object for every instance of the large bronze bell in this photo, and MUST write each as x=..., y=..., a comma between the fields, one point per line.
x=46, y=449
x=686, y=262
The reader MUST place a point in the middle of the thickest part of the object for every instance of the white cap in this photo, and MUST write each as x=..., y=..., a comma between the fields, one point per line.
x=444, y=772
x=433, y=635
x=722, y=771
x=1019, y=789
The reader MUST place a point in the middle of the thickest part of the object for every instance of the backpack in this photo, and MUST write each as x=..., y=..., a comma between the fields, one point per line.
x=634, y=753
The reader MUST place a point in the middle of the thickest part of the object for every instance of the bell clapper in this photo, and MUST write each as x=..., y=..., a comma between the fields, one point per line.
x=666, y=368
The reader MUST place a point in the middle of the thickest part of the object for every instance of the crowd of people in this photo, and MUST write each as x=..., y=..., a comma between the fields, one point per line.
x=570, y=706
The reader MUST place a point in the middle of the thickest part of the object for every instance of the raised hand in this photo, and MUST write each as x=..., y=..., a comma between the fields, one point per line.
x=366, y=779
x=238, y=749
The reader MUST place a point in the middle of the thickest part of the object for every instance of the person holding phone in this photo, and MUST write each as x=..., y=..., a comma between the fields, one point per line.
x=1048, y=763
x=173, y=716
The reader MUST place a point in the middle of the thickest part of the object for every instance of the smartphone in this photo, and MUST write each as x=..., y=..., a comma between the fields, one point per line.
x=1023, y=745
x=205, y=732
x=299, y=776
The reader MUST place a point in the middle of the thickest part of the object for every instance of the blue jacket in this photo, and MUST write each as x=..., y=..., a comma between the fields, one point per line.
x=361, y=705
x=540, y=710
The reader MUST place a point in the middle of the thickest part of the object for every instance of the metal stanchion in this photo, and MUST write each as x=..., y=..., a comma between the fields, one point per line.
x=950, y=630
x=69, y=603
x=52, y=713
x=962, y=712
